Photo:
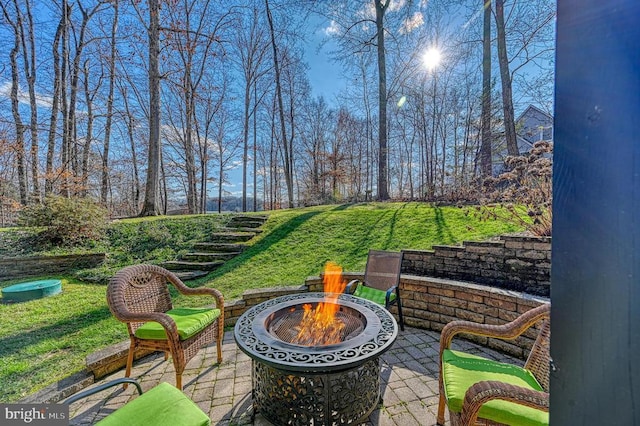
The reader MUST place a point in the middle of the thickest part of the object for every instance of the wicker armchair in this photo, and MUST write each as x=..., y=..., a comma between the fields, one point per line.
x=523, y=401
x=138, y=295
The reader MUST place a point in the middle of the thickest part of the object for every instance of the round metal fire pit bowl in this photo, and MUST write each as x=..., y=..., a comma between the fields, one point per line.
x=336, y=384
x=24, y=292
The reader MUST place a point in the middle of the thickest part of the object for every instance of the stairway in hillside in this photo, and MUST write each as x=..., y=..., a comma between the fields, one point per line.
x=222, y=246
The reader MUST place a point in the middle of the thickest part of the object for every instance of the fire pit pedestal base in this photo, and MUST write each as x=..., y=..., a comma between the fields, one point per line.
x=344, y=397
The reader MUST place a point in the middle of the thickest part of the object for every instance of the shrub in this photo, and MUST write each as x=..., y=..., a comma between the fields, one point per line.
x=524, y=193
x=66, y=221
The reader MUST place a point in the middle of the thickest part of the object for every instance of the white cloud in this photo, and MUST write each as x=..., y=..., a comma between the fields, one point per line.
x=332, y=29
x=42, y=101
x=394, y=6
x=410, y=24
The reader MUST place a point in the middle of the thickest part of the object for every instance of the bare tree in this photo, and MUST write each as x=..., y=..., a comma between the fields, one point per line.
x=525, y=40
x=104, y=181
x=50, y=174
x=505, y=78
x=287, y=144
x=252, y=45
x=16, y=25
x=485, y=148
x=194, y=31
x=383, y=188
x=29, y=64
x=151, y=204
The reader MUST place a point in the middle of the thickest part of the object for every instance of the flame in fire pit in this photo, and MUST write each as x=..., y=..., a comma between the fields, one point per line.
x=319, y=326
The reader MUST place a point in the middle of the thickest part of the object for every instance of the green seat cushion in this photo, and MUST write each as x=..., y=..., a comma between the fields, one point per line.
x=160, y=406
x=189, y=321
x=461, y=370
x=373, y=294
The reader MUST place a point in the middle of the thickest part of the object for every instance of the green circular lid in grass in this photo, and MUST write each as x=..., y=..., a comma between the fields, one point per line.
x=31, y=290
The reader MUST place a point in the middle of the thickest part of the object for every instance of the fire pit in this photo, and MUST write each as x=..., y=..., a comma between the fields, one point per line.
x=301, y=378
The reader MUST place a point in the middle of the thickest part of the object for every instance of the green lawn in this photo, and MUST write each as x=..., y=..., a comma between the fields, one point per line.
x=44, y=340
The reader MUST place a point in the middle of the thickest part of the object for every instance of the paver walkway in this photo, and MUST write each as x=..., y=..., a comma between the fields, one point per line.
x=409, y=383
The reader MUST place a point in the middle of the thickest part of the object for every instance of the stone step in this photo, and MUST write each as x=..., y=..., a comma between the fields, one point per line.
x=209, y=256
x=219, y=247
x=245, y=224
x=241, y=229
x=249, y=218
x=190, y=275
x=231, y=237
x=179, y=265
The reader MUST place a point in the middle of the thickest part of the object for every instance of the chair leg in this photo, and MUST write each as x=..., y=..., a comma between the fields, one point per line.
x=219, y=338
x=179, y=380
x=400, y=316
x=441, y=405
x=132, y=350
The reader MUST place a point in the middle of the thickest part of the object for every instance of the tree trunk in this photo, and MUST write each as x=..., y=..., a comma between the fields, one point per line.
x=245, y=141
x=29, y=56
x=220, y=176
x=288, y=173
x=383, y=190
x=65, y=155
x=55, y=109
x=192, y=191
x=485, y=147
x=505, y=77
x=15, y=82
x=88, y=139
x=134, y=157
x=151, y=202
x=104, y=181
x=255, y=148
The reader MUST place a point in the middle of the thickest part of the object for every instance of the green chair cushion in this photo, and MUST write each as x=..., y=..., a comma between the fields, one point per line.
x=373, y=294
x=189, y=321
x=461, y=370
x=160, y=406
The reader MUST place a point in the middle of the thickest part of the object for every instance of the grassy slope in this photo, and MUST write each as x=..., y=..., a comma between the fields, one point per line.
x=45, y=340
x=297, y=243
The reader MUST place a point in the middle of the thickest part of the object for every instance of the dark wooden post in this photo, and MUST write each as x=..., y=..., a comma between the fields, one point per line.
x=595, y=288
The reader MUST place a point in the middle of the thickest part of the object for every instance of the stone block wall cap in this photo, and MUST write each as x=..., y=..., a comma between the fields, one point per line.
x=526, y=238
x=450, y=248
x=417, y=251
x=483, y=243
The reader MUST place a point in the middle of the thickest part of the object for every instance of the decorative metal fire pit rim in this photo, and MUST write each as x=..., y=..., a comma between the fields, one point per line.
x=377, y=337
x=372, y=322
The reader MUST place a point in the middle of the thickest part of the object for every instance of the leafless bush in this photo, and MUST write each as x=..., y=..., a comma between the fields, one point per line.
x=523, y=194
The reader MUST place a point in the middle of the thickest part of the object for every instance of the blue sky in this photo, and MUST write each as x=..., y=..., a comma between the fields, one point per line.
x=325, y=76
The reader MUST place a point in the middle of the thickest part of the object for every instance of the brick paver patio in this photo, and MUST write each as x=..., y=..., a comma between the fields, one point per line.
x=409, y=383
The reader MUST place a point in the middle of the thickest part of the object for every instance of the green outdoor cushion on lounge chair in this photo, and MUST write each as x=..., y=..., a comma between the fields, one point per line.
x=461, y=370
x=373, y=294
x=189, y=321
x=160, y=406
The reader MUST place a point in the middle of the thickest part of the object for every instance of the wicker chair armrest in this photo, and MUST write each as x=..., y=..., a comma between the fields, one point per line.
x=184, y=289
x=507, y=331
x=482, y=392
x=163, y=319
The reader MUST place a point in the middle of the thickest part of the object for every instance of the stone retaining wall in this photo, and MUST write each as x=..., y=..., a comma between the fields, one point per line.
x=33, y=266
x=430, y=303
x=513, y=263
